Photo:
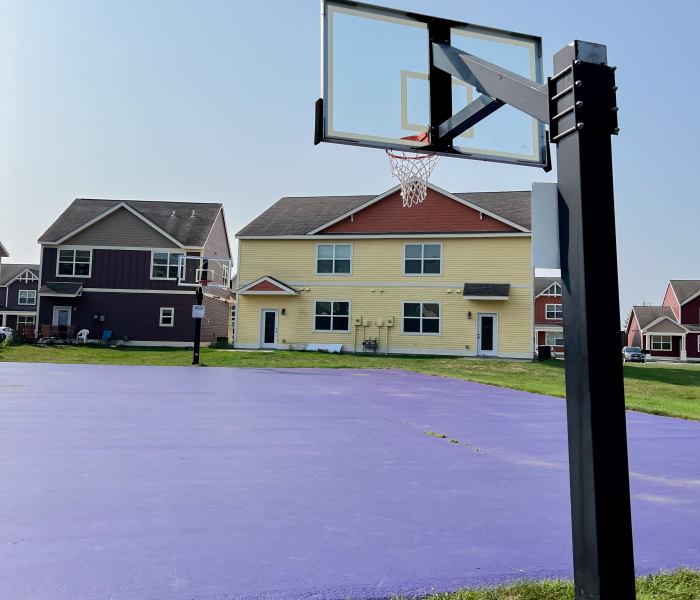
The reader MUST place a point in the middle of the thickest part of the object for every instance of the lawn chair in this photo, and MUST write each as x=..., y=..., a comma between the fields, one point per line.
x=82, y=336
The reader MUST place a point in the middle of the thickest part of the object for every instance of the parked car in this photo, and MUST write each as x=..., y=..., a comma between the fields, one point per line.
x=633, y=354
x=6, y=333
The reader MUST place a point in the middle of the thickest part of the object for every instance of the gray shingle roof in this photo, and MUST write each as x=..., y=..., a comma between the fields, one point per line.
x=685, y=288
x=513, y=206
x=300, y=215
x=487, y=290
x=542, y=283
x=649, y=314
x=3, y=252
x=60, y=287
x=8, y=271
x=188, y=230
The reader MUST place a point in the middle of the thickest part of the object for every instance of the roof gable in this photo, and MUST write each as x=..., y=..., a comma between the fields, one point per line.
x=543, y=285
x=268, y=286
x=685, y=289
x=440, y=212
x=304, y=216
x=646, y=315
x=664, y=325
x=187, y=224
x=9, y=272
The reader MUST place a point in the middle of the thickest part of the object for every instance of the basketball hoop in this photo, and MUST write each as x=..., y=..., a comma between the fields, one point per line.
x=413, y=170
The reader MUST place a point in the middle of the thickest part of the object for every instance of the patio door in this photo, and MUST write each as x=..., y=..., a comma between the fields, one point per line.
x=61, y=316
x=268, y=328
x=487, y=334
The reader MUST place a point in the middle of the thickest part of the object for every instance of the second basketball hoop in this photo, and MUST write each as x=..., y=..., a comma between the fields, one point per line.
x=413, y=170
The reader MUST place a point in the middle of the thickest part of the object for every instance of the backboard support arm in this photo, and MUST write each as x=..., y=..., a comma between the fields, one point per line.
x=501, y=84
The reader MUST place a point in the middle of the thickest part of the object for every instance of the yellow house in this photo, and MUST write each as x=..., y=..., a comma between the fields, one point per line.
x=450, y=276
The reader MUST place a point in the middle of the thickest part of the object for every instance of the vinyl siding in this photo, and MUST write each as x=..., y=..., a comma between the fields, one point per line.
x=484, y=260
x=378, y=265
x=121, y=228
x=217, y=320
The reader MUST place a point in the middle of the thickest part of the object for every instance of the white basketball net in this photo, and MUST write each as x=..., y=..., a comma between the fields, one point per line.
x=413, y=171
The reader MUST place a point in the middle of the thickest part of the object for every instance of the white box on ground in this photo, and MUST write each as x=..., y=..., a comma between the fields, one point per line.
x=197, y=311
x=545, y=226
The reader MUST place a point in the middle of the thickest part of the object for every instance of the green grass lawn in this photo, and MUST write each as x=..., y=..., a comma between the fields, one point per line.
x=683, y=584
x=660, y=388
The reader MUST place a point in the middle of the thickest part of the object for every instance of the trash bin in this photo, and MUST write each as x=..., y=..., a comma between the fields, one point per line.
x=544, y=352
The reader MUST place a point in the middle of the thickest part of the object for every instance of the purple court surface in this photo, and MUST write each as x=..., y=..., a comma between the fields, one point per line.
x=212, y=484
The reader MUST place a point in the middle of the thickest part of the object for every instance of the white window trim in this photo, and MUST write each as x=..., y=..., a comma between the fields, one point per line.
x=32, y=317
x=172, y=316
x=556, y=334
x=168, y=252
x=546, y=310
x=421, y=302
x=661, y=343
x=29, y=293
x=548, y=291
x=342, y=331
x=423, y=244
x=74, y=249
x=334, y=274
x=27, y=277
x=225, y=279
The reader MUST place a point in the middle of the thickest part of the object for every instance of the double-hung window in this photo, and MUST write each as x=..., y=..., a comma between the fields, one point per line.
x=74, y=263
x=553, y=311
x=167, y=316
x=421, y=317
x=554, y=338
x=422, y=259
x=331, y=316
x=661, y=342
x=27, y=297
x=165, y=265
x=225, y=277
x=24, y=320
x=333, y=259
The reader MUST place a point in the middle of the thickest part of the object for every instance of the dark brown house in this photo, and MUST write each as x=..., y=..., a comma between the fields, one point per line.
x=111, y=267
x=549, y=324
x=19, y=284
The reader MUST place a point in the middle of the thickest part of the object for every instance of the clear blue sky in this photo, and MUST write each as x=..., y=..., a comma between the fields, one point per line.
x=213, y=101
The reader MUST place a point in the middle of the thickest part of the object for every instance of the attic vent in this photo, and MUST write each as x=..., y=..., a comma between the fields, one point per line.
x=192, y=215
x=173, y=214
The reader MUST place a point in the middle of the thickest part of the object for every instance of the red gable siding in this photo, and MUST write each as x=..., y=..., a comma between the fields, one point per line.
x=265, y=286
x=670, y=300
x=436, y=214
x=634, y=336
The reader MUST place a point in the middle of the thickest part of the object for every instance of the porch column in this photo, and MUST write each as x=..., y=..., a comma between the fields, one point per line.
x=684, y=352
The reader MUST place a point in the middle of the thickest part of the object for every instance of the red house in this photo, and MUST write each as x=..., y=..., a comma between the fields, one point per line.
x=549, y=324
x=672, y=330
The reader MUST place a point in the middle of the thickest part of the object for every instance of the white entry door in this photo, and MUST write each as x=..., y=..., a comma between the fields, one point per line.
x=61, y=316
x=268, y=328
x=487, y=334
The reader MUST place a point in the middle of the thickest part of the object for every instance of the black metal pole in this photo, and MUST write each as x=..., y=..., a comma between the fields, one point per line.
x=583, y=116
x=199, y=298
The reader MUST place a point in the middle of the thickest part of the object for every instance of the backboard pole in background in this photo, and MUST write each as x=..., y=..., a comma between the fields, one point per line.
x=583, y=117
x=199, y=298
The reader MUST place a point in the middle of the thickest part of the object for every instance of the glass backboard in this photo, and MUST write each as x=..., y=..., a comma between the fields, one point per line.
x=376, y=89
